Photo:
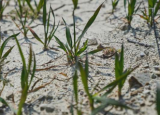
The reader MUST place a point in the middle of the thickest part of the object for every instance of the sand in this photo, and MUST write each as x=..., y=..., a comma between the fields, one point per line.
x=107, y=30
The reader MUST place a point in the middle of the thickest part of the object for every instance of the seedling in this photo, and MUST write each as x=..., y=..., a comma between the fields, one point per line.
x=93, y=98
x=120, y=75
x=27, y=75
x=114, y=5
x=23, y=23
x=46, y=24
x=153, y=7
x=72, y=47
x=131, y=10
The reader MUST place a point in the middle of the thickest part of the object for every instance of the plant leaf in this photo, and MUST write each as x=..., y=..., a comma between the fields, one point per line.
x=89, y=23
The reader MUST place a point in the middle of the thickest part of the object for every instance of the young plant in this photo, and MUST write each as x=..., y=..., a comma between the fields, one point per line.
x=38, y=6
x=72, y=47
x=120, y=74
x=27, y=75
x=3, y=56
x=93, y=98
x=2, y=8
x=131, y=10
x=153, y=7
x=114, y=5
x=23, y=22
x=46, y=24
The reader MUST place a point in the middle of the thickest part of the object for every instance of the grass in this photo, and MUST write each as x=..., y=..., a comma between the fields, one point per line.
x=46, y=24
x=27, y=75
x=114, y=5
x=72, y=48
x=2, y=7
x=97, y=100
x=94, y=99
x=38, y=6
x=23, y=22
x=131, y=10
x=153, y=7
x=4, y=56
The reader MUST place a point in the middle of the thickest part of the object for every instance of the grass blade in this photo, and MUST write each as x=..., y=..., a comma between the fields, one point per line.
x=89, y=23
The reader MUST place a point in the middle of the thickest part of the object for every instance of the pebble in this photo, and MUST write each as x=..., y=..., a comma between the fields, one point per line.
x=142, y=54
x=92, y=42
x=139, y=80
x=153, y=76
x=48, y=107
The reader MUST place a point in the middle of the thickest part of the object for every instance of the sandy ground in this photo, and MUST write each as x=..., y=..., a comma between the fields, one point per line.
x=107, y=30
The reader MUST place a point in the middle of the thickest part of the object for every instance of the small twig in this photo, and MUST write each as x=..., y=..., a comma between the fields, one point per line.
x=47, y=68
x=35, y=83
x=139, y=43
x=42, y=86
x=9, y=72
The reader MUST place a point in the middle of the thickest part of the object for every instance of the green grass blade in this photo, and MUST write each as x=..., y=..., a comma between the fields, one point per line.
x=81, y=50
x=48, y=21
x=44, y=15
x=5, y=43
x=68, y=34
x=7, y=53
x=157, y=8
x=5, y=103
x=116, y=81
x=30, y=6
x=107, y=102
x=35, y=35
x=75, y=86
x=33, y=70
x=30, y=59
x=40, y=5
x=89, y=23
x=121, y=62
x=61, y=45
x=75, y=3
x=94, y=51
x=84, y=78
x=24, y=68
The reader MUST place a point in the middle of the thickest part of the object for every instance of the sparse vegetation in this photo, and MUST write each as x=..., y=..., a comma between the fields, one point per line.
x=96, y=98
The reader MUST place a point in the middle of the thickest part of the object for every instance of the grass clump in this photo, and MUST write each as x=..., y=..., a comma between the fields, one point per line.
x=27, y=76
x=93, y=98
x=23, y=21
x=46, y=24
x=153, y=7
x=72, y=47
